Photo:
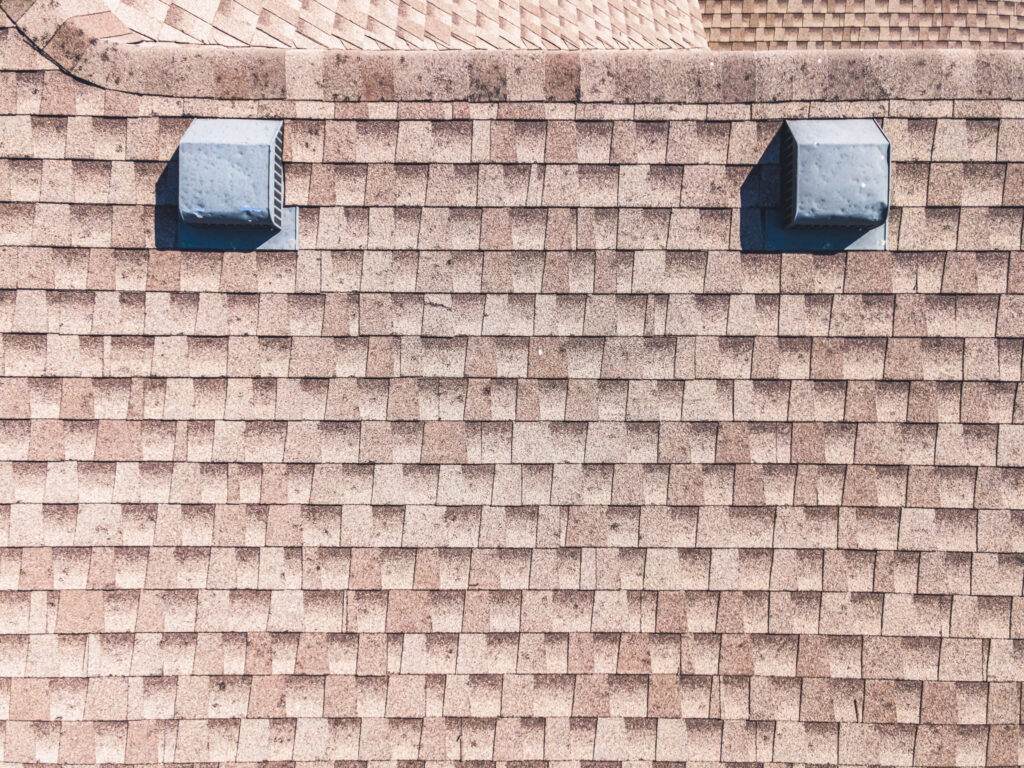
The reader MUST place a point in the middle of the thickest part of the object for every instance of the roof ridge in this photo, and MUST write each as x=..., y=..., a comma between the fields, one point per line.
x=93, y=47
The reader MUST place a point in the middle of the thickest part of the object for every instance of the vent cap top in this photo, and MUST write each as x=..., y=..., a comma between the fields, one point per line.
x=230, y=130
x=859, y=131
x=835, y=173
x=230, y=173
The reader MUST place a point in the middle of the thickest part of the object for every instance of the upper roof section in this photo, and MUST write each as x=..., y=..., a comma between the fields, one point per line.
x=803, y=24
x=382, y=24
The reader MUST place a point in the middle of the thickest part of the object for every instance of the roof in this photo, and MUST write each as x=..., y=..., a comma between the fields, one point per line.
x=528, y=453
x=391, y=24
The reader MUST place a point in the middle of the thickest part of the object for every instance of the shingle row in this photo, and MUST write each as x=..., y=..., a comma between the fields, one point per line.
x=782, y=699
x=160, y=654
x=103, y=182
x=268, y=398
x=521, y=229
x=434, y=740
x=524, y=272
x=472, y=616
x=726, y=590
x=708, y=358
x=379, y=533
x=793, y=569
x=160, y=313
x=180, y=482
x=519, y=442
x=585, y=139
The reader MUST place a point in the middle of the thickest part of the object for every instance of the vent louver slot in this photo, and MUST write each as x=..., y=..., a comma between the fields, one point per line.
x=787, y=158
x=278, y=173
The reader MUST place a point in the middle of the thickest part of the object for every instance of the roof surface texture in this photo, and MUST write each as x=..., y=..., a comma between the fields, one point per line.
x=775, y=24
x=531, y=454
x=387, y=24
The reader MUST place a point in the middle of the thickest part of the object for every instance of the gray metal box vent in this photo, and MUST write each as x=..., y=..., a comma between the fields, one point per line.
x=835, y=173
x=231, y=187
x=835, y=186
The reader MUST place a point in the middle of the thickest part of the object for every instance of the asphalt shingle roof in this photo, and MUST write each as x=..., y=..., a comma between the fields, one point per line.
x=530, y=454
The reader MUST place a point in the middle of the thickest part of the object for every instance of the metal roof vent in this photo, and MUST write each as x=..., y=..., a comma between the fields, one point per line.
x=835, y=186
x=231, y=187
